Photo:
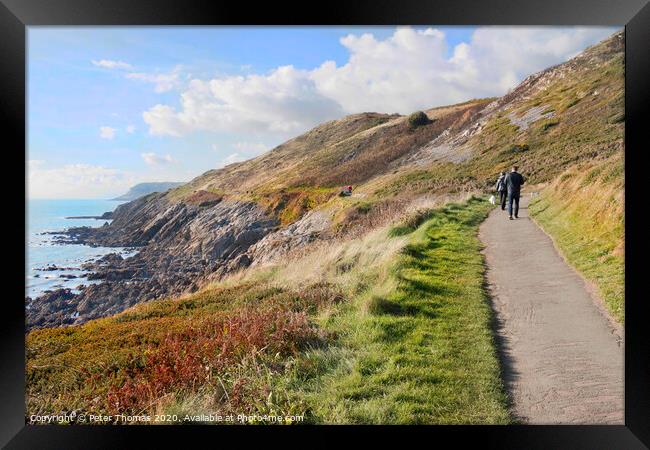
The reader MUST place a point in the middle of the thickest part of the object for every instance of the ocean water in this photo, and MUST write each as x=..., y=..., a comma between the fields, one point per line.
x=50, y=215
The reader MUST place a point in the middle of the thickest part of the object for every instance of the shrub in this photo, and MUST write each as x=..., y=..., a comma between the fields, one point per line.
x=616, y=118
x=569, y=103
x=290, y=205
x=382, y=306
x=366, y=216
x=591, y=176
x=204, y=198
x=418, y=119
x=316, y=296
x=203, y=355
x=549, y=123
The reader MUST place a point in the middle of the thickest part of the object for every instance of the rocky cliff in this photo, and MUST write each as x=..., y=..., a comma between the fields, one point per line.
x=179, y=245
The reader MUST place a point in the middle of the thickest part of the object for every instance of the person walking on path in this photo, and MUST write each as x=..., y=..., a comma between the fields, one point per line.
x=513, y=181
x=502, y=190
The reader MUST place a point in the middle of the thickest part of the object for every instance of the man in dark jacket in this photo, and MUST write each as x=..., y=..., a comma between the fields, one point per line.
x=514, y=180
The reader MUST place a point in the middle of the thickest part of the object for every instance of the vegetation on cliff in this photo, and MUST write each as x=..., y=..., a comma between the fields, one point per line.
x=395, y=330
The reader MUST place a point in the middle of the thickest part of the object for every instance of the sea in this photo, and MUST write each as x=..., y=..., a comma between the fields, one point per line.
x=43, y=251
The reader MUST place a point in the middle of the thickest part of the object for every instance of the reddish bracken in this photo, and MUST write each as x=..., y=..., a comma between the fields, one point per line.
x=198, y=356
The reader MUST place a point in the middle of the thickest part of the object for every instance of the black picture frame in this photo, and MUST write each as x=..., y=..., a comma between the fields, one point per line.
x=16, y=15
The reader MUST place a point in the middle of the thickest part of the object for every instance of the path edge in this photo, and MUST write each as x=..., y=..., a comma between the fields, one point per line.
x=495, y=323
x=616, y=328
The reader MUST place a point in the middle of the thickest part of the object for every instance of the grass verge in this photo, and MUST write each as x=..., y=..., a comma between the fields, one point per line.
x=418, y=348
x=583, y=210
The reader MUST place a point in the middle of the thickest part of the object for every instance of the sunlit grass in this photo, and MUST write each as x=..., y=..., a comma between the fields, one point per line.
x=417, y=347
x=583, y=210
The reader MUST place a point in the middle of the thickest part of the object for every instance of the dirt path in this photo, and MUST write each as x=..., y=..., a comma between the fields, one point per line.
x=562, y=360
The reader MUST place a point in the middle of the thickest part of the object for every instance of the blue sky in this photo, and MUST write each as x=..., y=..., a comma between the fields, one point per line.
x=111, y=106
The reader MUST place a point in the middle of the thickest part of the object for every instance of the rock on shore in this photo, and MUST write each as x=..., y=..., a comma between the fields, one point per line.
x=180, y=244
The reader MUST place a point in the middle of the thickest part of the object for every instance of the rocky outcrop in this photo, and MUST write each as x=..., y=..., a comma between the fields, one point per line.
x=180, y=245
x=51, y=309
x=296, y=235
x=106, y=216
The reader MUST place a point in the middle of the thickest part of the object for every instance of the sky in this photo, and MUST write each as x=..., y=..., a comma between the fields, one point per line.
x=109, y=107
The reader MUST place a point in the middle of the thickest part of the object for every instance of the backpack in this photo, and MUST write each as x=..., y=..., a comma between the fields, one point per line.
x=501, y=184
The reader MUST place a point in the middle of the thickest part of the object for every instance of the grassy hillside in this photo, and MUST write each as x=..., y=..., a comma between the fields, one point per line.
x=382, y=330
x=565, y=115
x=585, y=101
x=583, y=209
x=353, y=149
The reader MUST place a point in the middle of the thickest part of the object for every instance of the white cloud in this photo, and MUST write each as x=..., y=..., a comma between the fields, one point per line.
x=34, y=164
x=282, y=102
x=153, y=159
x=391, y=75
x=130, y=129
x=409, y=70
x=107, y=132
x=250, y=148
x=162, y=82
x=76, y=181
x=110, y=64
x=230, y=159
x=244, y=151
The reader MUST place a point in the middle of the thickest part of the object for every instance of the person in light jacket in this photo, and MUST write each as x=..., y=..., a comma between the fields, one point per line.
x=500, y=187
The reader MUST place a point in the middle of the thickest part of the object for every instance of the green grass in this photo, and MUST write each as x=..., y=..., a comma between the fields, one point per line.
x=417, y=348
x=583, y=211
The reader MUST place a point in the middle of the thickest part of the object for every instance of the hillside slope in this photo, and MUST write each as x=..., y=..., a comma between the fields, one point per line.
x=256, y=211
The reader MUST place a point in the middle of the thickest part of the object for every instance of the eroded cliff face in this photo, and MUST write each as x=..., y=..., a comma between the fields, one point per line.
x=298, y=234
x=180, y=244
